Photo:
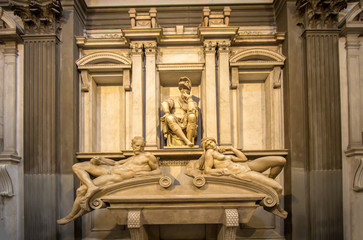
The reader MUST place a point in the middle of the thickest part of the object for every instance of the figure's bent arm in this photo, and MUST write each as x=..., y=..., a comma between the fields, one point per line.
x=102, y=161
x=240, y=156
x=154, y=165
x=167, y=105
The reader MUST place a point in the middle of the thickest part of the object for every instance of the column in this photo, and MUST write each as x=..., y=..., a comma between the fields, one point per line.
x=210, y=98
x=151, y=91
x=224, y=95
x=137, y=124
x=10, y=108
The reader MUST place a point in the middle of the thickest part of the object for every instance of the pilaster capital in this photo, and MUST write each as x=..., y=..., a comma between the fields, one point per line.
x=352, y=42
x=11, y=49
x=39, y=16
x=136, y=48
x=210, y=47
x=223, y=46
x=150, y=48
x=316, y=14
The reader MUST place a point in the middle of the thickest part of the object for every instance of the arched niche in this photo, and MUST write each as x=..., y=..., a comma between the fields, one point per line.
x=256, y=76
x=104, y=78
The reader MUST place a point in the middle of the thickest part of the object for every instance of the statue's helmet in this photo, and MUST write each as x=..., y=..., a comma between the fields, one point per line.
x=185, y=83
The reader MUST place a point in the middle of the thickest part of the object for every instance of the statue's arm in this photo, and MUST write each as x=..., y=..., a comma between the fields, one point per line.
x=154, y=164
x=240, y=156
x=192, y=106
x=121, y=161
x=166, y=105
x=102, y=161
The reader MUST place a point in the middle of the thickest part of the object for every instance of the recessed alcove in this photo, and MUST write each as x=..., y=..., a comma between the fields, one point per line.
x=104, y=78
x=257, y=75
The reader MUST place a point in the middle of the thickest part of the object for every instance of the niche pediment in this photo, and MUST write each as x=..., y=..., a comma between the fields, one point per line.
x=257, y=57
x=103, y=61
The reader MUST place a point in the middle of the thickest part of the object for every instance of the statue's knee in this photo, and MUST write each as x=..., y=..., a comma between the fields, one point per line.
x=170, y=119
x=281, y=161
x=192, y=118
x=76, y=167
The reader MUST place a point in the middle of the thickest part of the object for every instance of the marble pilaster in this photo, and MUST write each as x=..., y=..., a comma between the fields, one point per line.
x=151, y=93
x=224, y=95
x=137, y=86
x=354, y=91
x=210, y=98
x=10, y=92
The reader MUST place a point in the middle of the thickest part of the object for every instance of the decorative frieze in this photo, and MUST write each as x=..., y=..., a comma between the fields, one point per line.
x=316, y=14
x=39, y=17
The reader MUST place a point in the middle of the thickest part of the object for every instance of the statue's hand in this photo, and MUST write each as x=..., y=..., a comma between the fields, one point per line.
x=221, y=149
x=95, y=161
x=226, y=172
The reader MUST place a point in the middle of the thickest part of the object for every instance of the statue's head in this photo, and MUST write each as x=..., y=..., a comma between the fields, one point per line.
x=185, y=83
x=138, y=144
x=208, y=143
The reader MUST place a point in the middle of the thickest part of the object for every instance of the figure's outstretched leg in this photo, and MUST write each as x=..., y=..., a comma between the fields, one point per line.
x=76, y=209
x=176, y=129
x=192, y=127
x=260, y=178
x=274, y=163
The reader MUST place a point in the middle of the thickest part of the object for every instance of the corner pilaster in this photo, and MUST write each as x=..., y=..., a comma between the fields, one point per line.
x=224, y=94
x=151, y=93
x=41, y=80
x=137, y=57
x=322, y=101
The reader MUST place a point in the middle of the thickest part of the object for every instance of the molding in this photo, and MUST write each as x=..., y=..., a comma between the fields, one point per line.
x=6, y=158
x=354, y=151
x=180, y=67
x=142, y=34
x=217, y=32
x=90, y=59
x=176, y=154
x=358, y=177
x=6, y=185
x=271, y=56
x=109, y=40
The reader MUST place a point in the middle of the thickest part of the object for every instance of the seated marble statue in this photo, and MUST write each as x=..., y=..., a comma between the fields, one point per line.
x=179, y=123
x=100, y=171
x=214, y=162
